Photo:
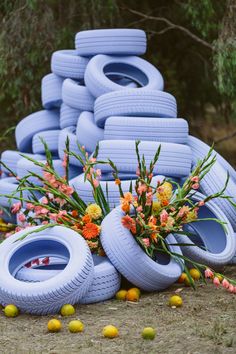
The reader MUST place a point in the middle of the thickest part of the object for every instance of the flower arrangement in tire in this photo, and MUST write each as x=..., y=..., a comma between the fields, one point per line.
x=60, y=203
x=142, y=243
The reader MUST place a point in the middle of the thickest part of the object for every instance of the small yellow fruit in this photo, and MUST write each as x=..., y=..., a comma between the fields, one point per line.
x=54, y=325
x=76, y=326
x=138, y=291
x=11, y=311
x=219, y=276
x=110, y=331
x=182, y=278
x=148, y=333
x=176, y=301
x=121, y=295
x=67, y=310
x=187, y=281
x=195, y=274
x=132, y=295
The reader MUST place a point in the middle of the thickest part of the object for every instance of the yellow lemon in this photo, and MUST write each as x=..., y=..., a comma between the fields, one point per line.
x=176, y=301
x=110, y=331
x=76, y=326
x=132, y=295
x=195, y=274
x=138, y=291
x=187, y=281
x=11, y=311
x=54, y=325
x=148, y=333
x=121, y=295
x=67, y=310
x=182, y=278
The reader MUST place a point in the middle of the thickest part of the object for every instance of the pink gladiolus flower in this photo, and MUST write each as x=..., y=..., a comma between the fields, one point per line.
x=44, y=200
x=8, y=234
x=21, y=217
x=164, y=216
x=149, y=199
x=39, y=210
x=29, y=206
x=65, y=160
x=53, y=216
x=216, y=281
x=16, y=207
x=96, y=183
x=68, y=190
x=92, y=159
x=142, y=188
x=98, y=172
x=208, y=273
x=195, y=179
x=146, y=242
x=195, y=186
x=139, y=209
x=231, y=288
x=201, y=203
x=225, y=283
x=1, y=211
x=45, y=222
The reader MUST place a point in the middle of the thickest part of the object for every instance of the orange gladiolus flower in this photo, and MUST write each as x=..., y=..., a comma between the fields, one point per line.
x=90, y=230
x=117, y=181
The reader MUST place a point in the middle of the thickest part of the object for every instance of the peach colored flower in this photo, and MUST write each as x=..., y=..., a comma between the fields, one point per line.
x=129, y=223
x=142, y=188
x=146, y=242
x=16, y=207
x=44, y=200
x=21, y=217
x=201, y=203
x=225, y=283
x=216, y=281
x=117, y=181
x=209, y=273
x=195, y=179
x=231, y=288
x=65, y=160
x=39, y=210
x=164, y=217
x=96, y=183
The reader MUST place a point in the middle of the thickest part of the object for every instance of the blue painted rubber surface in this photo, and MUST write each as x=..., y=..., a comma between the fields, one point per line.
x=69, y=133
x=50, y=137
x=132, y=262
x=68, y=64
x=11, y=157
x=8, y=186
x=33, y=124
x=69, y=286
x=174, y=159
x=87, y=132
x=134, y=103
x=138, y=70
x=111, y=41
x=68, y=116
x=216, y=245
x=77, y=96
x=51, y=87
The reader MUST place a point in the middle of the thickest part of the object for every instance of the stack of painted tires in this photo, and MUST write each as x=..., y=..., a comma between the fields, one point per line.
x=103, y=93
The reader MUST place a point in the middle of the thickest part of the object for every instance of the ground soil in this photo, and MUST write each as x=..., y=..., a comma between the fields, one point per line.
x=205, y=324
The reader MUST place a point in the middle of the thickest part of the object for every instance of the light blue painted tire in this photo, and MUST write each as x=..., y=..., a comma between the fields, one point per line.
x=168, y=130
x=8, y=186
x=11, y=157
x=77, y=96
x=85, y=191
x=67, y=63
x=68, y=116
x=214, y=181
x=50, y=137
x=174, y=159
x=33, y=124
x=51, y=87
x=202, y=149
x=46, y=297
x=69, y=133
x=111, y=41
x=216, y=245
x=132, y=262
x=105, y=284
x=134, y=103
x=138, y=70
x=87, y=132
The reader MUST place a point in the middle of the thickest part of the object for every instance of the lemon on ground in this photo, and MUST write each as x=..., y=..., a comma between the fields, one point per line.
x=195, y=274
x=138, y=291
x=110, y=331
x=67, y=310
x=182, y=278
x=11, y=311
x=176, y=301
x=54, y=325
x=121, y=295
x=187, y=281
x=76, y=326
x=132, y=295
x=148, y=333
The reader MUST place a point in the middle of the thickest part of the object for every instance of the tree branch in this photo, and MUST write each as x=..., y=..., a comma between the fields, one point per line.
x=171, y=25
x=226, y=137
